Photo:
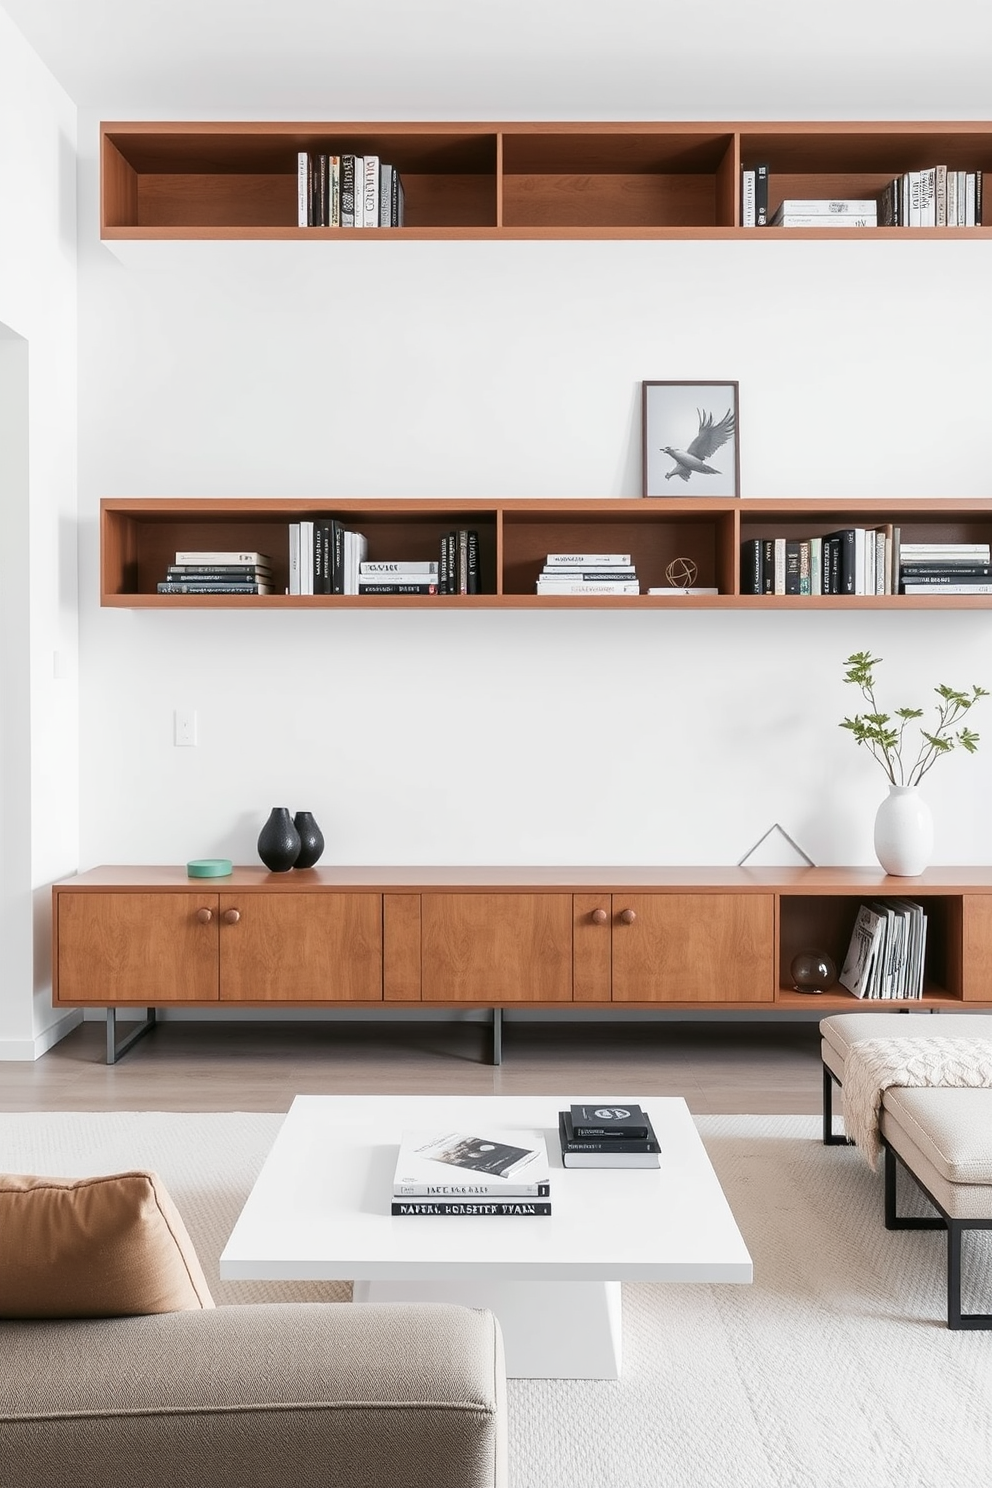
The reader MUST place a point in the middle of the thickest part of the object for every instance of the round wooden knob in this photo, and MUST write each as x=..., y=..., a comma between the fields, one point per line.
x=628, y=916
x=232, y=916
x=204, y=916
x=599, y=916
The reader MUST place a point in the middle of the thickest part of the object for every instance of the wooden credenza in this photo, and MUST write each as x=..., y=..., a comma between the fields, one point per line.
x=649, y=938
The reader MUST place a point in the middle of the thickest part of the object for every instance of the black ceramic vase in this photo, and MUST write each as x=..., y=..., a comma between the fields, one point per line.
x=311, y=839
x=279, y=841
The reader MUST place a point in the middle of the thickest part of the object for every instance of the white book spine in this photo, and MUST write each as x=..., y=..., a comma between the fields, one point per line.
x=370, y=191
x=558, y=588
x=588, y=560
x=969, y=199
x=940, y=196
x=779, y=580
x=747, y=199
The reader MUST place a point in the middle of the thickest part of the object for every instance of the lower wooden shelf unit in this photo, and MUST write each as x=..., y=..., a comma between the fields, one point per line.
x=648, y=938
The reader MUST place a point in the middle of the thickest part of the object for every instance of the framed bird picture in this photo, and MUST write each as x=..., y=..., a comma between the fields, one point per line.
x=691, y=439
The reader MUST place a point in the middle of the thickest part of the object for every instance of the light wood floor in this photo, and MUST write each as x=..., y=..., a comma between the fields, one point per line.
x=720, y=1068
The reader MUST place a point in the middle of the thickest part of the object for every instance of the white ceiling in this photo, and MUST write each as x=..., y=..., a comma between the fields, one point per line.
x=523, y=59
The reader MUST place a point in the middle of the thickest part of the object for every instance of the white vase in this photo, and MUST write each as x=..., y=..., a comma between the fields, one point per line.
x=904, y=832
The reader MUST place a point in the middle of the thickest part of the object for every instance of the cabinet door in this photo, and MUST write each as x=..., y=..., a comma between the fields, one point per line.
x=693, y=948
x=286, y=947
x=145, y=949
x=483, y=948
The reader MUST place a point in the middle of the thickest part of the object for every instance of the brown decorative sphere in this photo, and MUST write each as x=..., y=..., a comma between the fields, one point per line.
x=812, y=971
x=682, y=573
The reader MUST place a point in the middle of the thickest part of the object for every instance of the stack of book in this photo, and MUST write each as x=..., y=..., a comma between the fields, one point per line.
x=945, y=568
x=347, y=191
x=588, y=573
x=200, y=571
x=855, y=560
x=887, y=952
x=608, y=1135
x=935, y=197
x=842, y=211
x=324, y=557
x=456, y=1173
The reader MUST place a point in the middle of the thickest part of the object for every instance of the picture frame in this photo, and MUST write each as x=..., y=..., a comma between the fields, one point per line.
x=675, y=417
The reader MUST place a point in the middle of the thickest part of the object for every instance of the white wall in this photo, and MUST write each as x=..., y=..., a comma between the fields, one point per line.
x=485, y=370
x=38, y=688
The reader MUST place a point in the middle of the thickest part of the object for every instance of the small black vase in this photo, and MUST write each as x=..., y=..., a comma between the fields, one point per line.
x=279, y=841
x=311, y=839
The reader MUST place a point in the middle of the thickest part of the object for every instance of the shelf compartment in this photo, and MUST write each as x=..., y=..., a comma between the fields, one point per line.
x=637, y=177
x=140, y=538
x=652, y=532
x=201, y=177
x=824, y=922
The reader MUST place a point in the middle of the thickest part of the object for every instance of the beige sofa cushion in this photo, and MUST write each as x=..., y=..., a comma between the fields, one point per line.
x=109, y=1246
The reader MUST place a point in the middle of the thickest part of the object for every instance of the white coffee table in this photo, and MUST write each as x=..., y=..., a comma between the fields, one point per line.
x=319, y=1211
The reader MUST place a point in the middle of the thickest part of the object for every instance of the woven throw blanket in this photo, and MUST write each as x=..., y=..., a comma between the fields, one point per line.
x=873, y=1065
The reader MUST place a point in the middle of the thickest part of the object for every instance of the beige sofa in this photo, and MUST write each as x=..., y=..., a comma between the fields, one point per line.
x=274, y=1395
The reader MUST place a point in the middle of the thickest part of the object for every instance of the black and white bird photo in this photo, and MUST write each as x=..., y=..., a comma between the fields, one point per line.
x=694, y=459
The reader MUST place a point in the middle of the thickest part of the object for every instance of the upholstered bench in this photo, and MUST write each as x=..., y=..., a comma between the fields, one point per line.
x=942, y=1136
x=841, y=1030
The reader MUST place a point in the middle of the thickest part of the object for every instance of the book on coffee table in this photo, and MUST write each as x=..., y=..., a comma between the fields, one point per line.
x=607, y=1152
x=460, y=1165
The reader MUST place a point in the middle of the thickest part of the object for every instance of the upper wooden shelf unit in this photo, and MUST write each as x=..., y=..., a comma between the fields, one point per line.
x=516, y=180
x=140, y=536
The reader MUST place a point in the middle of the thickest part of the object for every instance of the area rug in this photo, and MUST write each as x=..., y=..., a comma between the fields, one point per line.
x=834, y=1369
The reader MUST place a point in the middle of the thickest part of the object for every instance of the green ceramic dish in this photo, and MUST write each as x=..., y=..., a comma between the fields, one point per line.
x=209, y=868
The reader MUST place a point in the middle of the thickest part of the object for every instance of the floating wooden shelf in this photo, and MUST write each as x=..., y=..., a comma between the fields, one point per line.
x=517, y=180
x=140, y=536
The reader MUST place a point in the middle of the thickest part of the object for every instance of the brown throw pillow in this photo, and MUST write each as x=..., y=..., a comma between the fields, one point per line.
x=94, y=1247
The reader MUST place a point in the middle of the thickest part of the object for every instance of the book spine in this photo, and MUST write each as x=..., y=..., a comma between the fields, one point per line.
x=940, y=196
x=804, y=567
x=442, y=566
x=588, y=560
x=946, y=573
x=398, y=207
x=768, y=565
x=302, y=189
x=427, y=567
x=230, y=555
x=218, y=575
x=792, y=577
x=611, y=1144
x=474, y=578
x=398, y=588
x=385, y=195
x=525, y=1208
x=473, y=1193
x=751, y=576
x=334, y=190
x=747, y=198
x=761, y=195
x=779, y=585
x=930, y=587
x=177, y=588
x=347, y=190
x=370, y=176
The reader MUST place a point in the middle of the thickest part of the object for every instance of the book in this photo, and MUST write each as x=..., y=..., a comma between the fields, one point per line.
x=193, y=587
x=761, y=195
x=747, y=198
x=373, y=568
x=982, y=551
x=792, y=581
x=347, y=191
x=752, y=577
x=571, y=1143
x=373, y=586
x=523, y=1208
x=217, y=571
x=858, y=972
x=608, y=1120
x=370, y=190
x=588, y=575
x=472, y=1188
x=302, y=189
x=334, y=191
x=946, y=570
x=796, y=219
x=580, y=588
x=611, y=1160
x=694, y=589
x=588, y=560
x=231, y=555
x=386, y=173
x=306, y=557
x=975, y=586
x=447, y=1157
x=843, y=206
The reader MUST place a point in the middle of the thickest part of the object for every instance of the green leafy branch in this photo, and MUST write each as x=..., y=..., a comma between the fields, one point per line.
x=885, y=733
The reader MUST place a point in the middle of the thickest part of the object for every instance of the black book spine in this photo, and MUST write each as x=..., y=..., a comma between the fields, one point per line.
x=337, y=557
x=474, y=580
x=768, y=565
x=524, y=1208
x=761, y=195
x=946, y=573
x=442, y=566
x=792, y=579
x=751, y=567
